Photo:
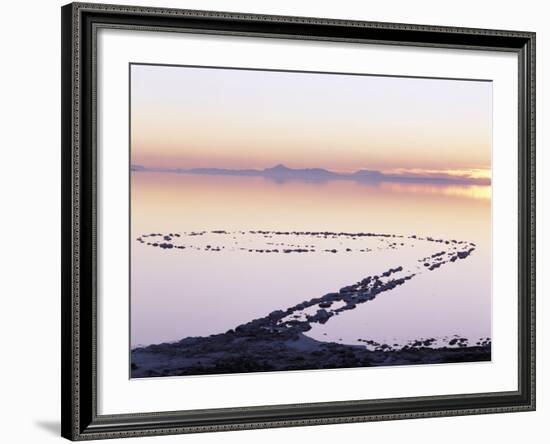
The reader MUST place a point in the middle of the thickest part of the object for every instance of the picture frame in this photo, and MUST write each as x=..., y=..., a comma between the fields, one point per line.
x=81, y=217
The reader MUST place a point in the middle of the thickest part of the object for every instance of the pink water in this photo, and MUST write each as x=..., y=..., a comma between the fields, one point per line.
x=179, y=293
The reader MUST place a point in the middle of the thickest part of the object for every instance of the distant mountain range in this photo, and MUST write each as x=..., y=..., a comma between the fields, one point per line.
x=282, y=173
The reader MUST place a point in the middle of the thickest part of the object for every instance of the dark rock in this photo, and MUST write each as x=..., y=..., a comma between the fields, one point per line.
x=277, y=314
x=322, y=316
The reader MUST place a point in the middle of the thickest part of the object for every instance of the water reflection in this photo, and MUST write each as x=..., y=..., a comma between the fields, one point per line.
x=176, y=294
x=469, y=191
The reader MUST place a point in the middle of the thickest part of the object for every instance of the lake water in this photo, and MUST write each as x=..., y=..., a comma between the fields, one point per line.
x=199, y=291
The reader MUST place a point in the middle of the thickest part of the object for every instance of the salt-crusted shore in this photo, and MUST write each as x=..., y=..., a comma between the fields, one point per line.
x=248, y=349
x=277, y=341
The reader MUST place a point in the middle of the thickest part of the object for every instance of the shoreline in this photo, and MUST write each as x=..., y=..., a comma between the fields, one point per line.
x=246, y=352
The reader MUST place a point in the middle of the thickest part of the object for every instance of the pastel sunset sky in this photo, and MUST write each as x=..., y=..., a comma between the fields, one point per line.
x=186, y=117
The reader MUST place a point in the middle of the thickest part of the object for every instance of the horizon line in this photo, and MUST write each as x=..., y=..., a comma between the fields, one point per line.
x=477, y=176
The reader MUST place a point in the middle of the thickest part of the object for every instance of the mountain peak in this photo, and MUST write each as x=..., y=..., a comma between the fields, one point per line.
x=279, y=167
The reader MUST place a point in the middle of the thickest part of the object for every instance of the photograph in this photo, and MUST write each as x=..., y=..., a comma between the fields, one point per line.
x=275, y=222
x=290, y=217
x=299, y=220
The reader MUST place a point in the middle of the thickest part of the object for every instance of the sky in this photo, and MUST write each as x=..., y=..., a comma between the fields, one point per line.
x=187, y=117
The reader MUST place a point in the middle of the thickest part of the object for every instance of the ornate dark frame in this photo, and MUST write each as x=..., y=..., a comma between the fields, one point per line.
x=80, y=420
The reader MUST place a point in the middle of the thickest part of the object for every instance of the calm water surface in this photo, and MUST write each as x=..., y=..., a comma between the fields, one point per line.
x=181, y=293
